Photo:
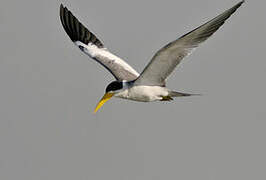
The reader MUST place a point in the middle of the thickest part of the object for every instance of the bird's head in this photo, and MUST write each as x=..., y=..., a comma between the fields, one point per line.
x=112, y=89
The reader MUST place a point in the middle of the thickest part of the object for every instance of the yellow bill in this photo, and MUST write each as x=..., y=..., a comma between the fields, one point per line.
x=104, y=99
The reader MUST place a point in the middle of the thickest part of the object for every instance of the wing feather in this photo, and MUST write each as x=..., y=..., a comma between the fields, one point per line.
x=93, y=47
x=167, y=58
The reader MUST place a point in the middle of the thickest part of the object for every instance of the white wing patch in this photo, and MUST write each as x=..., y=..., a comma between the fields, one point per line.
x=119, y=68
x=92, y=46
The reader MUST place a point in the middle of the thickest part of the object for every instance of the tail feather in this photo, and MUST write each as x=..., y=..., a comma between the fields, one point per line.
x=179, y=94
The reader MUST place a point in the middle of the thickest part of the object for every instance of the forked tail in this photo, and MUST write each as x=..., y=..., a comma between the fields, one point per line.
x=176, y=94
x=179, y=94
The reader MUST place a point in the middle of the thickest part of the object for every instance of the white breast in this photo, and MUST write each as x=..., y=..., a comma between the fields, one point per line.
x=143, y=93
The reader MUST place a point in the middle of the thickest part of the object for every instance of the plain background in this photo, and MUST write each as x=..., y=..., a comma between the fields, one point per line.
x=49, y=90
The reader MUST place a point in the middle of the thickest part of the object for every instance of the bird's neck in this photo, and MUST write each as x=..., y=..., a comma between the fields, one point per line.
x=127, y=84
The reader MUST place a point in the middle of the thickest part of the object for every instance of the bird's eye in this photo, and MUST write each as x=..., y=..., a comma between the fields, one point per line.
x=81, y=48
x=114, y=86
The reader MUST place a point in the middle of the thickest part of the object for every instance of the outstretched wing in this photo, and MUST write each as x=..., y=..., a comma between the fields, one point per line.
x=167, y=58
x=93, y=47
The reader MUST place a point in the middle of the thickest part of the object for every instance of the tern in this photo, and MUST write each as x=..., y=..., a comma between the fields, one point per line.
x=150, y=85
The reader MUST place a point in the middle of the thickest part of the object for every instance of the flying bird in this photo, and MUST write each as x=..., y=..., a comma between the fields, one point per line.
x=150, y=85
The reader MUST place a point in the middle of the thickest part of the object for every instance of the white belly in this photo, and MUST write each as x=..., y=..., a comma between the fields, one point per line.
x=143, y=93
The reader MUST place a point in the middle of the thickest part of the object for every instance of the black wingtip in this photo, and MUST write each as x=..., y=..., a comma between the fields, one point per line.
x=61, y=9
x=239, y=4
x=75, y=30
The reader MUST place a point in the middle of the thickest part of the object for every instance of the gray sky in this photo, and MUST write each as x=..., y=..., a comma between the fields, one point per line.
x=49, y=90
